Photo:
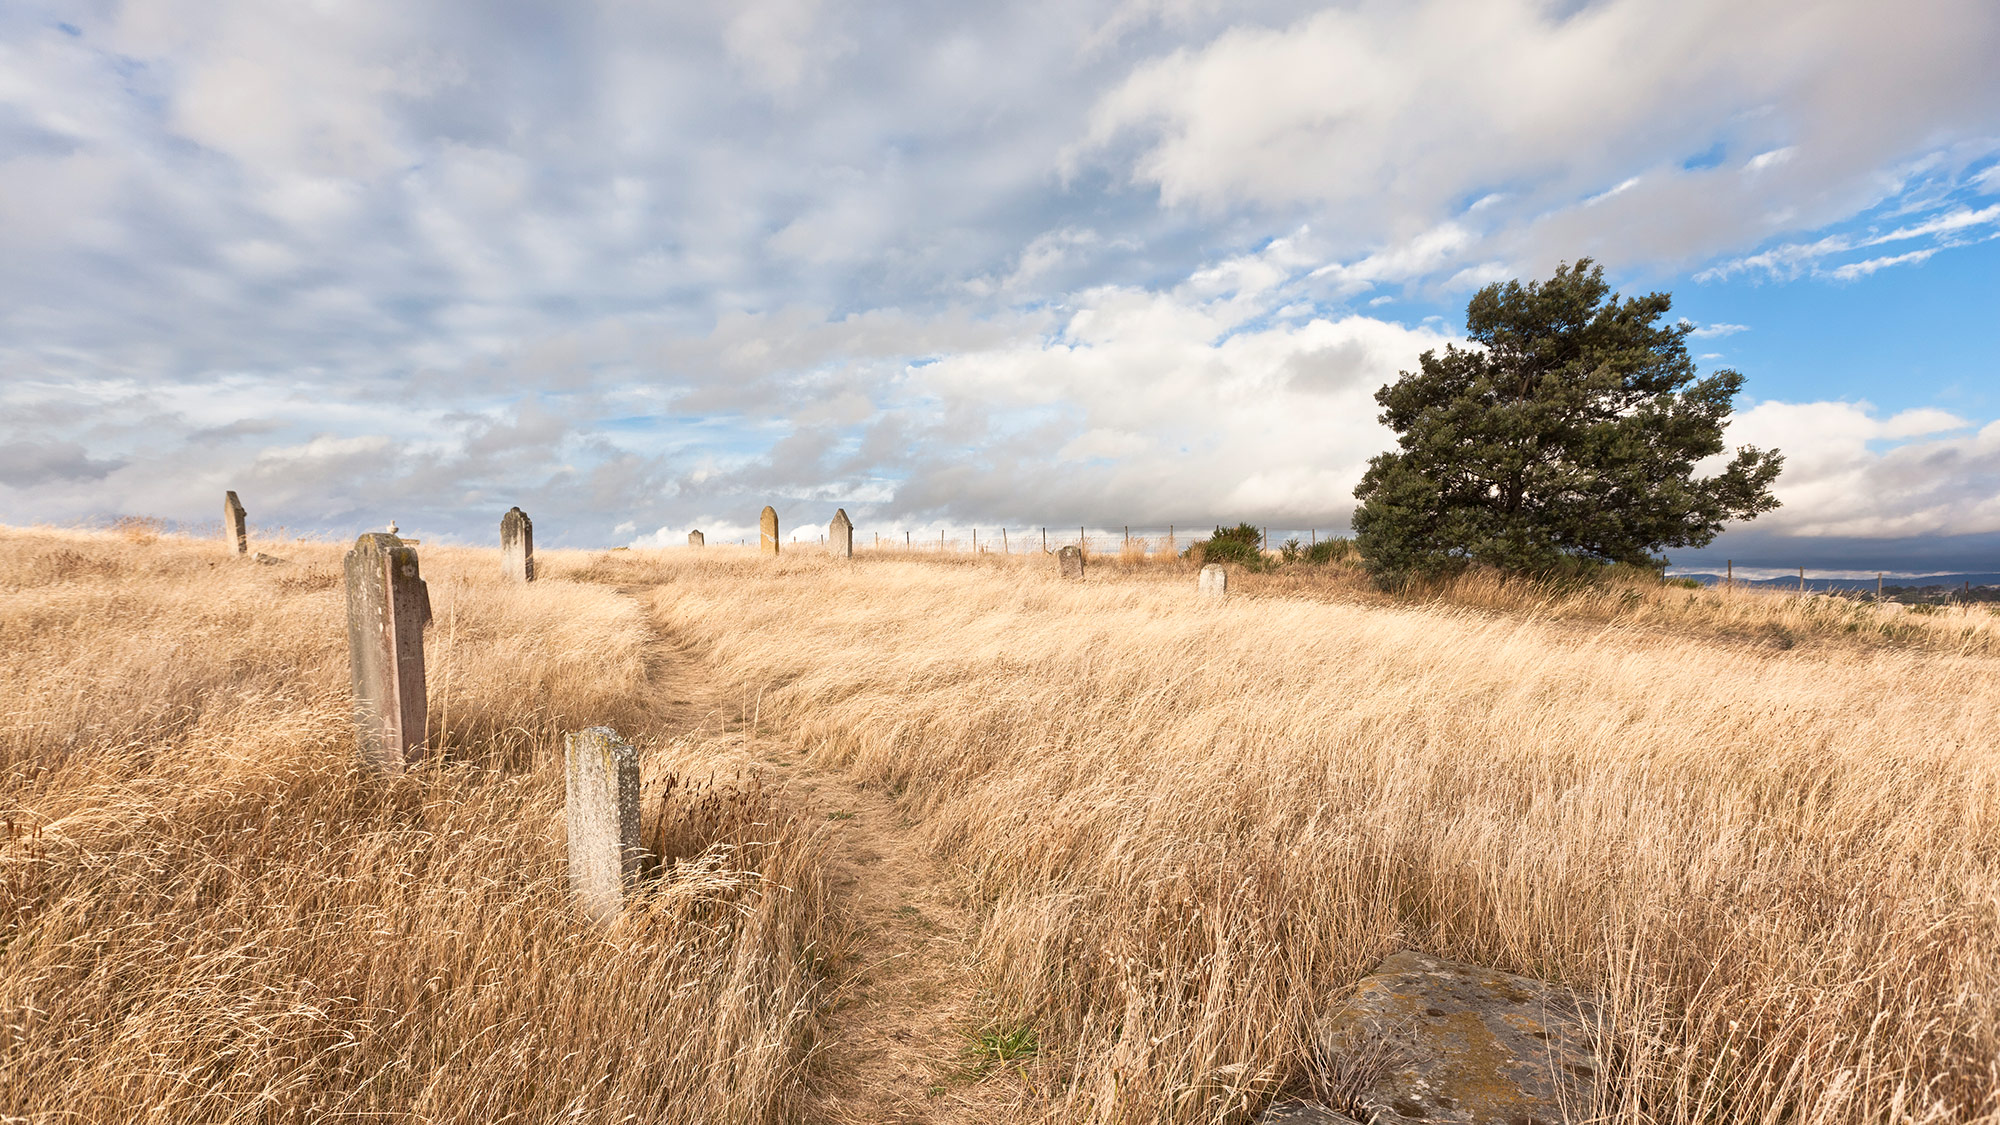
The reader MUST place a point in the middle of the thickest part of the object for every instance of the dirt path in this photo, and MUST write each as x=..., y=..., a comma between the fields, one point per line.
x=905, y=1001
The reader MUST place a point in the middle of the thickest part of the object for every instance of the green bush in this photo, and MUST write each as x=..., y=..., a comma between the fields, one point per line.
x=1318, y=554
x=1241, y=545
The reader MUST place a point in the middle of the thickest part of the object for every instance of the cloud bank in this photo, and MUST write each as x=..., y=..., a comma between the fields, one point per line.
x=645, y=269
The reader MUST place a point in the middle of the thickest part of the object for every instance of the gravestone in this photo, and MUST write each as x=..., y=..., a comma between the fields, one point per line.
x=517, y=545
x=697, y=539
x=1071, y=558
x=840, y=535
x=1214, y=581
x=767, y=530
x=388, y=606
x=601, y=811
x=233, y=522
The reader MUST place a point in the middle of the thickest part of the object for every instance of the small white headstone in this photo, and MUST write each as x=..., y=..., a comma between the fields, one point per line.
x=601, y=808
x=1214, y=581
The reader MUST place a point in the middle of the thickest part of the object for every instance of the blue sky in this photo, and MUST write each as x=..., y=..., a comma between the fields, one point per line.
x=640, y=268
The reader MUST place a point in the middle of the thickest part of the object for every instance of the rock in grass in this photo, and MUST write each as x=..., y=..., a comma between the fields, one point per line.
x=1444, y=1042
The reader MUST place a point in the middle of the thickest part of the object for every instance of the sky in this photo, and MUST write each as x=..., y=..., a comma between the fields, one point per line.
x=641, y=268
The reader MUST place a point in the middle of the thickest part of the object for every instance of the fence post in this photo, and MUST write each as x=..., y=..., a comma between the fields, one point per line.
x=232, y=522
x=517, y=545
x=1802, y=580
x=388, y=606
x=1730, y=581
x=1045, y=540
x=601, y=811
x=1003, y=541
x=975, y=540
x=1878, y=587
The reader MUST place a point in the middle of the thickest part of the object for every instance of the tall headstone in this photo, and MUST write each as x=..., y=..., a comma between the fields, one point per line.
x=767, y=530
x=517, y=545
x=1214, y=581
x=840, y=535
x=1071, y=558
x=233, y=526
x=388, y=606
x=697, y=539
x=601, y=809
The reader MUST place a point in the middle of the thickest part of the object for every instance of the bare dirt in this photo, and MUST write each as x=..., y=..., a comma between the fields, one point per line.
x=904, y=1010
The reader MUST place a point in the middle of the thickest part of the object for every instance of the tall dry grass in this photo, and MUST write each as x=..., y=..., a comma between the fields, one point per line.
x=207, y=914
x=1191, y=825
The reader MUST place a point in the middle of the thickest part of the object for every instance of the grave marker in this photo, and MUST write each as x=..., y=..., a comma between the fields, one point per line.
x=1214, y=581
x=767, y=531
x=517, y=545
x=601, y=811
x=232, y=522
x=388, y=606
x=1072, y=561
x=697, y=539
x=840, y=533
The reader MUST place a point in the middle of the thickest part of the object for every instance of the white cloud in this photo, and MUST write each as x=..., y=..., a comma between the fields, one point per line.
x=1708, y=331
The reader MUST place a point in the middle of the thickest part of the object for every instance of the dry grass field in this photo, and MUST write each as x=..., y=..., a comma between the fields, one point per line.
x=1765, y=830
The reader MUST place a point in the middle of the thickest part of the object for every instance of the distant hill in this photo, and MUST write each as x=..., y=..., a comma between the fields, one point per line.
x=1922, y=582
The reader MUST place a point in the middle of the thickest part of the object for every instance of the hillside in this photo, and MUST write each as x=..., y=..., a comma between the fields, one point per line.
x=972, y=843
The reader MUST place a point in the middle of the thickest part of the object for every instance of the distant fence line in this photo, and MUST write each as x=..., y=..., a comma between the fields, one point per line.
x=1014, y=540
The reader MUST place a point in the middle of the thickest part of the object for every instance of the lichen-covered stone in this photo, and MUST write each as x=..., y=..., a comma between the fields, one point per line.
x=767, y=530
x=1447, y=1043
x=1071, y=558
x=517, y=545
x=233, y=526
x=697, y=539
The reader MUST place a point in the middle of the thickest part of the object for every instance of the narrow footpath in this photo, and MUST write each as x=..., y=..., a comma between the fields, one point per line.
x=905, y=1003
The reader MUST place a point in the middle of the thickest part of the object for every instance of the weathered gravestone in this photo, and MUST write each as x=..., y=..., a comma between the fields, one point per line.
x=697, y=539
x=1071, y=558
x=767, y=530
x=388, y=606
x=517, y=545
x=1454, y=1044
x=601, y=810
x=840, y=535
x=1214, y=581
x=233, y=526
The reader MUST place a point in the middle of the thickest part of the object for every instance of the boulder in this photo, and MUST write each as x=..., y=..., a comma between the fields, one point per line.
x=1446, y=1043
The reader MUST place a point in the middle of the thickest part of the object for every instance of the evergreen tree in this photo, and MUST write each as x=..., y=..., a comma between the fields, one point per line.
x=1568, y=437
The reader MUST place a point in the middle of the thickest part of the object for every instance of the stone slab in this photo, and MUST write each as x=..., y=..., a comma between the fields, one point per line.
x=517, y=545
x=233, y=522
x=697, y=539
x=840, y=535
x=1294, y=1111
x=1459, y=1044
x=1071, y=559
x=767, y=530
x=388, y=606
x=601, y=812
x=1214, y=581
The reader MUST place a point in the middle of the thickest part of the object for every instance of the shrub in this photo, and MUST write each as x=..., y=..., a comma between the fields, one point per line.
x=1242, y=545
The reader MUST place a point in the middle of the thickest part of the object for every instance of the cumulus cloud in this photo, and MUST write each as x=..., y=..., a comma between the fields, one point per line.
x=650, y=267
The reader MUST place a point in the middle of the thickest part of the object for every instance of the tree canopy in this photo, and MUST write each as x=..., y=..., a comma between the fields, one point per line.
x=1569, y=436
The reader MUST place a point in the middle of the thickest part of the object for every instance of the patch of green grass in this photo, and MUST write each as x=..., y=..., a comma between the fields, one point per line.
x=842, y=814
x=1000, y=1046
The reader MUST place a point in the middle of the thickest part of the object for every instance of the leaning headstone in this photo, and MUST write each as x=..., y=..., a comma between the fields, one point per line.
x=697, y=539
x=767, y=530
x=1464, y=1045
x=388, y=606
x=1214, y=581
x=840, y=535
x=267, y=560
x=601, y=809
x=1071, y=558
x=233, y=522
x=517, y=545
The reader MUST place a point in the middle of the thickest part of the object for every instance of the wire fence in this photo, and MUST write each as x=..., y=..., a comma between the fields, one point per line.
x=1134, y=539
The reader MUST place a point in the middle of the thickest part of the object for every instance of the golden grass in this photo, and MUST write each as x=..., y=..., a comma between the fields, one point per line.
x=1187, y=825
x=207, y=914
x=1191, y=825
